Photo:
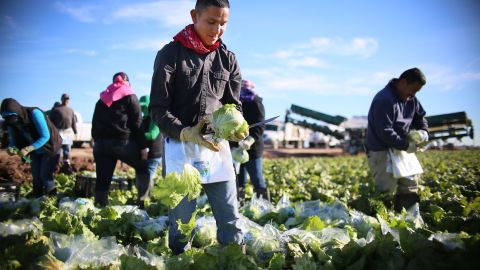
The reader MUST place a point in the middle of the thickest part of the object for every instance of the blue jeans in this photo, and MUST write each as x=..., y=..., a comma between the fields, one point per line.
x=106, y=153
x=43, y=167
x=222, y=197
x=66, y=152
x=254, y=168
x=145, y=187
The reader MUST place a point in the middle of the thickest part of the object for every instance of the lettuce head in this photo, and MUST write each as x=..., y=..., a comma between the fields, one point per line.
x=240, y=155
x=227, y=121
x=175, y=186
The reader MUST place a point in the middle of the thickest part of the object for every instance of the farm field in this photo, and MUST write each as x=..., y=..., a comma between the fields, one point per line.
x=324, y=214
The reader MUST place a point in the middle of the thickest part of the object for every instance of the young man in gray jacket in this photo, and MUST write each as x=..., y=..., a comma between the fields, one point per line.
x=194, y=75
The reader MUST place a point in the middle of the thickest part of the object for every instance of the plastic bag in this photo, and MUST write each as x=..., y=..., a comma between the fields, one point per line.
x=267, y=242
x=413, y=215
x=94, y=254
x=249, y=229
x=362, y=223
x=142, y=214
x=65, y=245
x=450, y=241
x=205, y=231
x=403, y=164
x=334, y=237
x=136, y=252
x=331, y=213
x=151, y=228
x=307, y=239
x=213, y=166
x=257, y=208
x=284, y=209
x=78, y=206
x=21, y=226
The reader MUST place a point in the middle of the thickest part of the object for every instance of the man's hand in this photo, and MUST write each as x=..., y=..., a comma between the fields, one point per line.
x=412, y=147
x=194, y=134
x=12, y=151
x=246, y=143
x=144, y=154
x=26, y=150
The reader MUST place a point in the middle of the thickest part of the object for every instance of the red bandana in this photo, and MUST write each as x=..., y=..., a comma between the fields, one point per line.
x=189, y=38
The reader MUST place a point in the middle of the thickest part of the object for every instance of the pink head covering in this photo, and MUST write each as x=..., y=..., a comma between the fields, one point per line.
x=115, y=91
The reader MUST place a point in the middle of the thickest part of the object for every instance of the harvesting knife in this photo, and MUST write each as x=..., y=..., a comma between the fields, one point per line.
x=263, y=122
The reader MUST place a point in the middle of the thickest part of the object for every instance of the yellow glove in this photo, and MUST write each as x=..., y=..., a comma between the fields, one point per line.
x=26, y=150
x=194, y=134
x=247, y=143
x=12, y=151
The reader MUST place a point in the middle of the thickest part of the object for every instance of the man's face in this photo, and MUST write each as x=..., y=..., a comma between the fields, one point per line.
x=408, y=90
x=210, y=23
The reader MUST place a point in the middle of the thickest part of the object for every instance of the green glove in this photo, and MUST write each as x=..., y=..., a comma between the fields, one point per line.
x=152, y=132
x=12, y=150
x=193, y=134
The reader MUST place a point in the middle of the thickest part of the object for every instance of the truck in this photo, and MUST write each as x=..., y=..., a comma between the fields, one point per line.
x=278, y=133
x=84, y=132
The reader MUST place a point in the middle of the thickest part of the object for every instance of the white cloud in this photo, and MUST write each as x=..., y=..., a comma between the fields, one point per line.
x=83, y=52
x=277, y=82
x=471, y=76
x=83, y=13
x=142, y=44
x=296, y=69
x=446, y=78
x=359, y=47
x=169, y=13
x=363, y=47
x=308, y=62
x=9, y=22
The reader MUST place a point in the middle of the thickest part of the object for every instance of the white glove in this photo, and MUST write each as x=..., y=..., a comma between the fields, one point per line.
x=424, y=135
x=412, y=147
x=246, y=143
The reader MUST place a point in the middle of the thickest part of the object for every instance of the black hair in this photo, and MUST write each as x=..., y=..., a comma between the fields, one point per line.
x=414, y=75
x=203, y=4
x=123, y=74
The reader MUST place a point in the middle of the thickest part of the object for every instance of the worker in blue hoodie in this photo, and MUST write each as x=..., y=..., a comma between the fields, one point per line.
x=32, y=135
x=394, y=112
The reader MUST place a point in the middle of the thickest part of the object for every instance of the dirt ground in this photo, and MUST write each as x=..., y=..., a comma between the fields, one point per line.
x=13, y=169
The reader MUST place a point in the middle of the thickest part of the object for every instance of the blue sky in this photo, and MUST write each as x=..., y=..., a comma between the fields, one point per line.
x=330, y=56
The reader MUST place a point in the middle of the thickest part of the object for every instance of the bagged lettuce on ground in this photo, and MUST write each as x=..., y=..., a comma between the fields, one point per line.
x=227, y=121
x=175, y=186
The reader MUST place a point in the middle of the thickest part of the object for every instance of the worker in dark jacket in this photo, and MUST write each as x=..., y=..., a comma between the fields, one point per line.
x=253, y=112
x=37, y=139
x=63, y=117
x=394, y=112
x=154, y=146
x=194, y=75
x=117, y=135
